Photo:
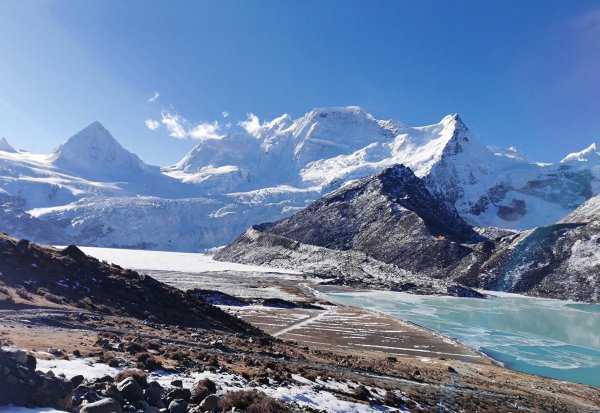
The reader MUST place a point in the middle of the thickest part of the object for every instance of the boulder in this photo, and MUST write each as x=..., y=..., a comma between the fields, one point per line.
x=153, y=395
x=178, y=406
x=107, y=405
x=77, y=380
x=22, y=386
x=211, y=403
x=179, y=393
x=130, y=389
x=31, y=362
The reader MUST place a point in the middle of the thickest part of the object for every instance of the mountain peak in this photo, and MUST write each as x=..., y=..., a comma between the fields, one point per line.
x=454, y=121
x=5, y=146
x=94, y=153
x=590, y=153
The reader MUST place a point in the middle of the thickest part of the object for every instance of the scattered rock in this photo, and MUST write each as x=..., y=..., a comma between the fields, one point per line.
x=211, y=403
x=179, y=393
x=130, y=389
x=107, y=405
x=153, y=395
x=31, y=362
x=178, y=406
x=22, y=386
x=77, y=380
x=105, y=379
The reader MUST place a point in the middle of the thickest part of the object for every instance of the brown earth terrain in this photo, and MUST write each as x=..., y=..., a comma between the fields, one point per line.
x=427, y=372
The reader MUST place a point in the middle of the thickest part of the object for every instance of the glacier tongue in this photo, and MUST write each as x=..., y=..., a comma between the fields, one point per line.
x=91, y=190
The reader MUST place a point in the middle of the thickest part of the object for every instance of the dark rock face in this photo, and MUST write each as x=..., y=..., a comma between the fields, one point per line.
x=557, y=261
x=390, y=216
x=23, y=386
x=387, y=231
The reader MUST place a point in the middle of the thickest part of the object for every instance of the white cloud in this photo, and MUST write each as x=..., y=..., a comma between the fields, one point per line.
x=205, y=130
x=225, y=114
x=152, y=124
x=174, y=124
x=251, y=124
x=181, y=128
x=154, y=97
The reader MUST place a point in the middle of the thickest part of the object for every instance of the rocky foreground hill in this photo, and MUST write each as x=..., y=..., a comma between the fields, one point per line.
x=393, y=219
x=33, y=275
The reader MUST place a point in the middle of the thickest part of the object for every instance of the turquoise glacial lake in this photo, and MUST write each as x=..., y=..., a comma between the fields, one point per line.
x=552, y=338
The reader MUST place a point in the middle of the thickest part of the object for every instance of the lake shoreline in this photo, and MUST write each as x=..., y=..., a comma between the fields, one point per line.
x=546, y=369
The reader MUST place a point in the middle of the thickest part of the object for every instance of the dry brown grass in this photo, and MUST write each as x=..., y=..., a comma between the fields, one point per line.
x=252, y=401
x=138, y=375
x=203, y=389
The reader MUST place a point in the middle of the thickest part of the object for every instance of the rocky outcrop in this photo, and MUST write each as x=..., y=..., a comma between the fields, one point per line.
x=22, y=385
x=349, y=268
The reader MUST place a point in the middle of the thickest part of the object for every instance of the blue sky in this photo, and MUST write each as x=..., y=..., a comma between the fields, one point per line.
x=524, y=73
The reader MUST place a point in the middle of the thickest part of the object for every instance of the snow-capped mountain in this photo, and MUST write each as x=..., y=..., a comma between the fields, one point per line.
x=94, y=154
x=92, y=191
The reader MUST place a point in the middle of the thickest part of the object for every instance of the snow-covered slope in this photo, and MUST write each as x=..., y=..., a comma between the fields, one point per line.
x=92, y=191
x=329, y=147
x=5, y=146
x=94, y=154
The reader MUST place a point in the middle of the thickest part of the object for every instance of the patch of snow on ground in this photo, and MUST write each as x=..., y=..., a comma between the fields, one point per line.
x=16, y=409
x=303, y=392
x=71, y=368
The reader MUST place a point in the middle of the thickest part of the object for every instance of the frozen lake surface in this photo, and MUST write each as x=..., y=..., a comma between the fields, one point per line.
x=552, y=338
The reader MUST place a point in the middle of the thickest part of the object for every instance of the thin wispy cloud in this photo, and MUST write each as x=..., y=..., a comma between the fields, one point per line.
x=152, y=124
x=154, y=97
x=180, y=128
x=205, y=130
x=174, y=124
x=251, y=124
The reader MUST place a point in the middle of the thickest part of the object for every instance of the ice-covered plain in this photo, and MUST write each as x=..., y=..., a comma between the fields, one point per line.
x=174, y=261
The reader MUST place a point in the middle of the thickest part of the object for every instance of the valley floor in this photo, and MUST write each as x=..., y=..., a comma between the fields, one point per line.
x=320, y=354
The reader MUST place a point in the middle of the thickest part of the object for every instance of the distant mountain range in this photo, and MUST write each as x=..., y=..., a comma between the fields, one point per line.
x=92, y=191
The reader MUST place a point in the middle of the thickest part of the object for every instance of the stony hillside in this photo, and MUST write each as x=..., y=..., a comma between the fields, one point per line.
x=36, y=275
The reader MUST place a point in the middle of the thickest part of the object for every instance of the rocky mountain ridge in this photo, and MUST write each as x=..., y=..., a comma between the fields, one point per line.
x=391, y=218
